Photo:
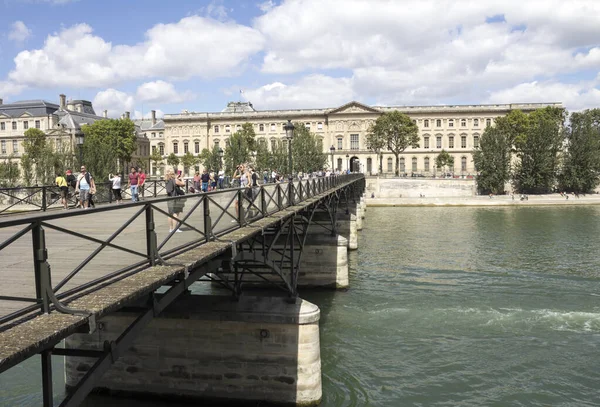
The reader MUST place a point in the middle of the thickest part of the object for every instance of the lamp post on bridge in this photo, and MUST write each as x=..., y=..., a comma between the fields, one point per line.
x=332, y=150
x=347, y=162
x=289, y=134
x=79, y=141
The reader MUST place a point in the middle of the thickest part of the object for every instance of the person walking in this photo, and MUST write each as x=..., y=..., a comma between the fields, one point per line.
x=61, y=183
x=85, y=185
x=134, y=180
x=116, y=187
x=197, y=181
x=173, y=186
x=205, y=178
x=221, y=178
x=212, y=185
x=142, y=183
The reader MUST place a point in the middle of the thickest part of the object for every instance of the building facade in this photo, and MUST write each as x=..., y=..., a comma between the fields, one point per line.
x=153, y=130
x=342, y=131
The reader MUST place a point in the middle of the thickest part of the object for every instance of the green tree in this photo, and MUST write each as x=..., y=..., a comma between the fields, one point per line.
x=263, y=157
x=581, y=163
x=211, y=159
x=249, y=135
x=9, y=172
x=27, y=166
x=239, y=147
x=376, y=143
x=537, y=152
x=157, y=159
x=279, y=157
x=397, y=131
x=444, y=160
x=188, y=160
x=108, y=144
x=173, y=160
x=307, y=151
x=492, y=161
x=39, y=152
x=514, y=127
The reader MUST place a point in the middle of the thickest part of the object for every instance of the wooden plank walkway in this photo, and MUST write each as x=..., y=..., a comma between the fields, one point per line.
x=65, y=251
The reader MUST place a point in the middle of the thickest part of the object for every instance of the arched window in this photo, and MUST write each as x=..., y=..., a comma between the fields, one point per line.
x=261, y=127
x=402, y=165
x=227, y=129
x=369, y=165
x=238, y=127
x=186, y=147
x=320, y=126
x=272, y=126
x=463, y=141
x=488, y=122
x=438, y=123
x=414, y=164
x=476, y=141
x=196, y=147
x=339, y=164
x=216, y=128
x=175, y=147
x=426, y=123
x=390, y=167
x=450, y=141
x=463, y=123
x=475, y=122
x=438, y=141
x=451, y=123
x=425, y=141
x=307, y=125
x=262, y=142
x=463, y=164
x=426, y=164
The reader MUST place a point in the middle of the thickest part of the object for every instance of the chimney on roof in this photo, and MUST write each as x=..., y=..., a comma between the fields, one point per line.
x=152, y=111
x=105, y=114
x=1, y=101
x=63, y=101
x=127, y=115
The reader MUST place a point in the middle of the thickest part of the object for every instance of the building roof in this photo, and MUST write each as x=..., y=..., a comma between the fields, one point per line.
x=34, y=108
x=146, y=125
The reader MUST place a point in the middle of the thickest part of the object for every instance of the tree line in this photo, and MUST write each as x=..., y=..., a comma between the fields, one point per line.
x=540, y=152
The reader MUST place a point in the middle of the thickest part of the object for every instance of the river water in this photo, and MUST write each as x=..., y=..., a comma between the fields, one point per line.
x=453, y=306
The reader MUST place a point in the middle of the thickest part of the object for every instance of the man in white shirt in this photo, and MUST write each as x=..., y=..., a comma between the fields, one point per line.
x=221, y=175
x=273, y=175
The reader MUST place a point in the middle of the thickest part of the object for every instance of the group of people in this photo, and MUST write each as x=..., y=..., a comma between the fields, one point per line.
x=84, y=186
x=208, y=181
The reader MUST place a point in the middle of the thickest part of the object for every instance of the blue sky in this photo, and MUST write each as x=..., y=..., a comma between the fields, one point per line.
x=139, y=55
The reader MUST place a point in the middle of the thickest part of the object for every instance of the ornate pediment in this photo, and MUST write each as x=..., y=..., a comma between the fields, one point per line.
x=4, y=116
x=354, y=107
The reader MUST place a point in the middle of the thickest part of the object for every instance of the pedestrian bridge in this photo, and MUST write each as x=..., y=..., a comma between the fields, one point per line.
x=64, y=275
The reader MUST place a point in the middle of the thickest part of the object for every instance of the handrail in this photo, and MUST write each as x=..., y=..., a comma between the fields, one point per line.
x=216, y=209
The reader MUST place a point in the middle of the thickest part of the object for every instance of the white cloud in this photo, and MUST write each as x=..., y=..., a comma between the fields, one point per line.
x=115, y=101
x=19, y=32
x=314, y=91
x=266, y=6
x=193, y=47
x=162, y=92
x=8, y=88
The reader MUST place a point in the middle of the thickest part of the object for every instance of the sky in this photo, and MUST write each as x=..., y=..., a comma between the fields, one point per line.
x=170, y=56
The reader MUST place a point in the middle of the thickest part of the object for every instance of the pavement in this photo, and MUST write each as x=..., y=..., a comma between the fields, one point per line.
x=499, y=200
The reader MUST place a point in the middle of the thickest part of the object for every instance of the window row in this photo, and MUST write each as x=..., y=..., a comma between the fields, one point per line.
x=160, y=134
x=451, y=144
x=452, y=122
x=37, y=124
x=428, y=165
x=273, y=127
x=15, y=146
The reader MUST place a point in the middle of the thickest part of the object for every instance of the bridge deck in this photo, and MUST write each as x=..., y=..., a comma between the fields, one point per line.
x=25, y=340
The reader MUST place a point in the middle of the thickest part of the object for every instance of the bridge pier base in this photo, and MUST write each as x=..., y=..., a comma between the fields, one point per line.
x=257, y=349
x=324, y=262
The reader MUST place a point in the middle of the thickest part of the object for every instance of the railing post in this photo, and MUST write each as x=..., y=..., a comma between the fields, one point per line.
x=240, y=199
x=207, y=220
x=154, y=193
x=40, y=266
x=151, y=244
x=279, y=197
x=301, y=191
x=290, y=193
x=44, y=203
x=263, y=201
x=187, y=186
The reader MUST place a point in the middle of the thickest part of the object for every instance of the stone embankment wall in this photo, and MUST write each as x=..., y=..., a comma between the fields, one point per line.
x=415, y=187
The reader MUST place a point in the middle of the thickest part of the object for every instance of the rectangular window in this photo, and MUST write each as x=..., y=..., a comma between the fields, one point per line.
x=196, y=147
x=37, y=124
x=153, y=134
x=161, y=149
x=426, y=123
x=476, y=141
x=402, y=164
x=340, y=144
x=160, y=134
x=451, y=123
x=426, y=142
x=15, y=146
x=451, y=142
x=25, y=125
x=319, y=126
x=153, y=149
x=307, y=125
x=272, y=126
x=185, y=147
x=261, y=127
x=463, y=123
x=426, y=164
x=414, y=165
x=463, y=164
x=216, y=129
x=14, y=125
x=438, y=142
x=488, y=122
x=475, y=122
x=463, y=141
x=217, y=143
x=3, y=146
x=438, y=123
x=390, y=164
x=2, y=126
x=227, y=129
x=175, y=148
x=354, y=142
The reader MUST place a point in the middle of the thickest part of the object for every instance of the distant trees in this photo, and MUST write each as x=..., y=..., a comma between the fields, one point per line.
x=9, y=172
x=43, y=157
x=211, y=159
x=444, y=160
x=396, y=131
x=492, y=161
x=307, y=150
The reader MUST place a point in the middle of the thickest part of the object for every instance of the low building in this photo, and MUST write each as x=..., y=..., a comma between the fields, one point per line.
x=342, y=131
x=153, y=130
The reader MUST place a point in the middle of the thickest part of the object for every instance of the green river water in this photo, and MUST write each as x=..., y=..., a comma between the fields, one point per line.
x=451, y=307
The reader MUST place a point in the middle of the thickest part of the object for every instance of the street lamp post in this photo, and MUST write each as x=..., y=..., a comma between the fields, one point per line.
x=332, y=150
x=80, y=146
x=289, y=133
x=347, y=162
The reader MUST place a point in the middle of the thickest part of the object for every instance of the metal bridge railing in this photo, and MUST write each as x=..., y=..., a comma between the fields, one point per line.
x=84, y=250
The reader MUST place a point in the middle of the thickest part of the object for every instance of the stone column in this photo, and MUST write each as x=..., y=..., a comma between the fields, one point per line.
x=324, y=262
x=353, y=240
x=257, y=349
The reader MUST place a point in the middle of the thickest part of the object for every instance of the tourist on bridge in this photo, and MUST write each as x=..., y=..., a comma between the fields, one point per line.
x=173, y=186
x=116, y=187
x=134, y=180
x=196, y=181
x=205, y=178
x=84, y=187
x=61, y=183
x=241, y=174
x=142, y=183
x=221, y=178
x=212, y=185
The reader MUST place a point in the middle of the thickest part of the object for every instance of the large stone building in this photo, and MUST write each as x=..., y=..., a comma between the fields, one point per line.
x=153, y=130
x=342, y=130
x=61, y=122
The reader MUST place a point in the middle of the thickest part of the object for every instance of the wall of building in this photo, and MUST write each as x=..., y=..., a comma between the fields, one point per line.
x=415, y=187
